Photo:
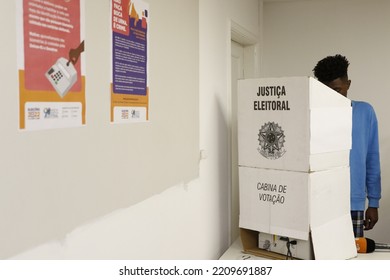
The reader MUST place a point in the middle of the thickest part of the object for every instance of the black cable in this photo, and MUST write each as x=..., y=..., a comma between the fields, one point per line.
x=288, y=244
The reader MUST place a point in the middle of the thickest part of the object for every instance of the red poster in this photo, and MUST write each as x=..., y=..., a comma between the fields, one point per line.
x=51, y=64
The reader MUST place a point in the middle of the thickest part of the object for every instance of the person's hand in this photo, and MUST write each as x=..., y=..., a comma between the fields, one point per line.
x=371, y=218
x=74, y=54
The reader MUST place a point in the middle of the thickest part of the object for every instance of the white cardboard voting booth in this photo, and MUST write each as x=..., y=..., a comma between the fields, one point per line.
x=294, y=137
x=311, y=123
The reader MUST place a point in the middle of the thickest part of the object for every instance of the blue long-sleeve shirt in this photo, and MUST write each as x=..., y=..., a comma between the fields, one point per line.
x=364, y=157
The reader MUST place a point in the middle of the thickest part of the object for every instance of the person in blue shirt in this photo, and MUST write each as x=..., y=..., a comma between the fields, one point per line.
x=364, y=155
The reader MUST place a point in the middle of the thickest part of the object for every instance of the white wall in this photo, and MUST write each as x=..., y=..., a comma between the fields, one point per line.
x=297, y=34
x=55, y=180
x=189, y=220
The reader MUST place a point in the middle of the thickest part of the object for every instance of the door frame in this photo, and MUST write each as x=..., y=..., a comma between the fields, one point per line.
x=251, y=45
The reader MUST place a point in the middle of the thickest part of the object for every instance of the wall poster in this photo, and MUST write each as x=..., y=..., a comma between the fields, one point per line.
x=51, y=67
x=129, y=76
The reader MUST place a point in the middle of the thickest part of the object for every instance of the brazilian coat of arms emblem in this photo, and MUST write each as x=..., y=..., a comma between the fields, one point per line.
x=271, y=141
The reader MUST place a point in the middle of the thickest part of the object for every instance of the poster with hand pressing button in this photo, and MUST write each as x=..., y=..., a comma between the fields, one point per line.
x=51, y=66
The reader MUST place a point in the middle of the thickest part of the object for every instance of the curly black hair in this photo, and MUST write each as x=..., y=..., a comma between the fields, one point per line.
x=331, y=68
